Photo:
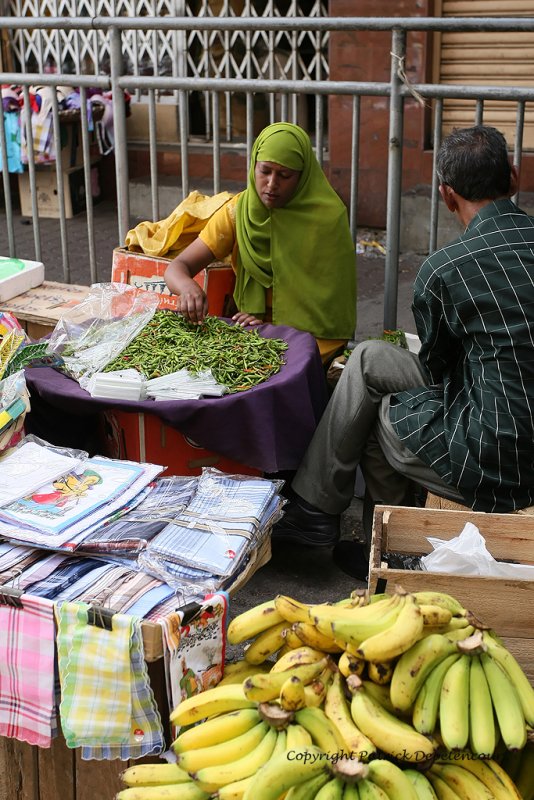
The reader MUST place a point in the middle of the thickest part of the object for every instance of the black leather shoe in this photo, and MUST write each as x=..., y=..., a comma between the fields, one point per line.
x=352, y=558
x=303, y=524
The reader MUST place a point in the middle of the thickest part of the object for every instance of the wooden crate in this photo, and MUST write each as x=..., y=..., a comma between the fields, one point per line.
x=507, y=605
x=40, y=309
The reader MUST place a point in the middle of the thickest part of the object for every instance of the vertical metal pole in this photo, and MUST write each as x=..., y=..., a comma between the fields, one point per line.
x=31, y=171
x=88, y=187
x=217, y=144
x=434, y=196
x=394, y=184
x=6, y=185
x=354, y=163
x=152, y=145
x=479, y=112
x=518, y=144
x=319, y=128
x=119, y=124
x=60, y=184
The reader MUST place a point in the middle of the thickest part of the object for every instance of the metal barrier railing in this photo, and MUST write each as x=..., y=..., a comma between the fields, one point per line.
x=397, y=90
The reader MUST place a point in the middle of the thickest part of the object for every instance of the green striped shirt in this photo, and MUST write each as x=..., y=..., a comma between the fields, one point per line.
x=474, y=311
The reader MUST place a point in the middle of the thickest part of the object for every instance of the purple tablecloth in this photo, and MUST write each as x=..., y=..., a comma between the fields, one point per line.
x=267, y=427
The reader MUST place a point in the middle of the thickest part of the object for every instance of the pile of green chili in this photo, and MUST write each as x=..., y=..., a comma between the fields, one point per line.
x=237, y=358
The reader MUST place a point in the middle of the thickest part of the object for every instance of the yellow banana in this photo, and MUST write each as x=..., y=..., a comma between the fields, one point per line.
x=421, y=784
x=440, y=599
x=315, y=692
x=178, y=791
x=324, y=734
x=337, y=709
x=252, y=622
x=297, y=736
x=307, y=790
x=396, y=640
x=300, y=655
x=350, y=665
x=441, y=788
x=264, y=687
x=506, y=703
x=426, y=706
x=292, y=641
x=235, y=790
x=522, y=684
x=281, y=773
x=454, y=705
x=380, y=672
x=309, y=634
x=244, y=671
x=292, y=610
x=381, y=694
x=391, y=779
x=154, y=775
x=292, y=694
x=224, y=752
x=218, y=700
x=211, y=779
x=491, y=774
x=355, y=625
x=413, y=667
x=435, y=615
x=386, y=731
x=370, y=791
x=333, y=790
x=459, y=634
x=482, y=735
x=266, y=644
x=216, y=730
x=466, y=785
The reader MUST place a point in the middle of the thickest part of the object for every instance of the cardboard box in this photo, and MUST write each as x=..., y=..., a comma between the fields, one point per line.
x=146, y=272
x=47, y=193
x=40, y=309
x=505, y=604
x=144, y=437
x=30, y=276
x=167, y=123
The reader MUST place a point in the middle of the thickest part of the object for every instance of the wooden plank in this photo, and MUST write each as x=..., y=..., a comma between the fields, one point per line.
x=523, y=650
x=56, y=771
x=97, y=779
x=19, y=777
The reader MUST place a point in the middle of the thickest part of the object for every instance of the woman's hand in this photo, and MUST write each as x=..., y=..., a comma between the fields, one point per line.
x=192, y=302
x=242, y=319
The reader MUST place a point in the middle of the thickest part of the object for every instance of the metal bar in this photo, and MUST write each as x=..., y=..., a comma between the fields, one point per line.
x=88, y=186
x=7, y=188
x=60, y=189
x=434, y=196
x=119, y=124
x=31, y=172
x=182, y=105
x=518, y=143
x=479, y=112
x=153, y=154
x=396, y=110
x=216, y=146
x=319, y=129
x=355, y=151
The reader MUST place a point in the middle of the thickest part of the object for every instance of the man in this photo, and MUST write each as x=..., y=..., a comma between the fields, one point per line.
x=459, y=418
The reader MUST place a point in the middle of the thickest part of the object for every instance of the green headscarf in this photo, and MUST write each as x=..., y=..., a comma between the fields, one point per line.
x=303, y=250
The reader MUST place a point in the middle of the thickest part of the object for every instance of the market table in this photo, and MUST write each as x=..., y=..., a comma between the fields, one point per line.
x=267, y=427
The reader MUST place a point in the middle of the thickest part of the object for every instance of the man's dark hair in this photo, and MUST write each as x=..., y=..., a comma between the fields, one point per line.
x=474, y=162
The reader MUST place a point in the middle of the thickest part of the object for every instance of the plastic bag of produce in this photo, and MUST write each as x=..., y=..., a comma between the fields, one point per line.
x=96, y=330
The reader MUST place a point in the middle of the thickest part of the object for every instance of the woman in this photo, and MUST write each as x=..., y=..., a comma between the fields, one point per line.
x=290, y=244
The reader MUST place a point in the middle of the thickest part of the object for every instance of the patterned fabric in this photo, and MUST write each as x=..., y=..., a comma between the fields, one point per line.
x=95, y=675
x=474, y=311
x=27, y=646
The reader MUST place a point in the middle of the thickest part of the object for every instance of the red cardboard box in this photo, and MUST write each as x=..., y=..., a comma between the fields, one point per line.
x=146, y=272
x=145, y=438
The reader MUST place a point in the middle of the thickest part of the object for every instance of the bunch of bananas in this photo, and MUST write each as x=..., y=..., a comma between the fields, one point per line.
x=362, y=699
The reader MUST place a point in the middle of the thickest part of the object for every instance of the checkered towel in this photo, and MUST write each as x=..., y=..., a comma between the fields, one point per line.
x=27, y=638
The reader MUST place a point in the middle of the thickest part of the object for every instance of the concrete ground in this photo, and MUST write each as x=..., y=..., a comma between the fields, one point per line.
x=305, y=574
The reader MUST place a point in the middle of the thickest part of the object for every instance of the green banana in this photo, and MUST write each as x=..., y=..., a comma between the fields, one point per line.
x=370, y=791
x=308, y=790
x=506, y=703
x=267, y=686
x=218, y=700
x=154, y=775
x=216, y=730
x=333, y=790
x=391, y=779
x=491, y=774
x=223, y=753
x=351, y=792
x=281, y=773
x=324, y=734
x=398, y=638
x=385, y=730
x=522, y=684
x=466, y=785
x=413, y=667
x=426, y=706
x=210, y=779
x=252, y=622
x=454, y=705
x=297, y=736
x=421, y=784
x=482, y=735
x=441, y=788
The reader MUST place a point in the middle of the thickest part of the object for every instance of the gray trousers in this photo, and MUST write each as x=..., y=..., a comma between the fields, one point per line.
x=355, y=430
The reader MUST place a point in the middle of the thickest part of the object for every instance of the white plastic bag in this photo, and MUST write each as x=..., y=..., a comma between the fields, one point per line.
x=467, y=554
x=96, y=330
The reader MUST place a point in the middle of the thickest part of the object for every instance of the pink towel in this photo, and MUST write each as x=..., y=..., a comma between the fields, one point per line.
x=27, y=639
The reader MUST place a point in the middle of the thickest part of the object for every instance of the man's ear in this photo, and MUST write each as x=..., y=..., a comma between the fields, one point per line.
x=449, y=197
x=514, y=180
